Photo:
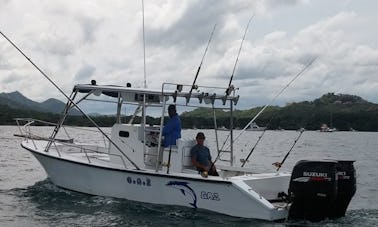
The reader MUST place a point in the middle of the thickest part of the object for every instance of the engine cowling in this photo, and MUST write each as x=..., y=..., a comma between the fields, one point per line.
x=321, y=189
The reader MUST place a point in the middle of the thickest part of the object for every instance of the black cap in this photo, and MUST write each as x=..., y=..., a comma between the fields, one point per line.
x=172, y=107
x=200, y=135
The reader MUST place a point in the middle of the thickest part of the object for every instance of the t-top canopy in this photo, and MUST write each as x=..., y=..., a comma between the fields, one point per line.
x=136, y=94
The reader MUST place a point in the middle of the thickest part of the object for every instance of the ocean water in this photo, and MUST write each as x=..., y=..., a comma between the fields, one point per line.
x=28, y=198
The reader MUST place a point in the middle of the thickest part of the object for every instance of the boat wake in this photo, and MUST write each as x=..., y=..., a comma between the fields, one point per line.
x=52, y=205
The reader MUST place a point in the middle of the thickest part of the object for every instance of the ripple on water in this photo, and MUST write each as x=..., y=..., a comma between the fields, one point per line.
x=51, y=205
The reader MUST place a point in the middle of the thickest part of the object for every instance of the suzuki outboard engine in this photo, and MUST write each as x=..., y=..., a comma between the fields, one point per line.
x=321, y=189
x=346, y=188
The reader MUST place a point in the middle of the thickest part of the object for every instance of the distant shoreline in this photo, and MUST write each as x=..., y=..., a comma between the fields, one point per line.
x=343, y=112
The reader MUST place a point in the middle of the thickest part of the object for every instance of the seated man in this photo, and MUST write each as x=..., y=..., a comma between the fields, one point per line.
x=201, y=157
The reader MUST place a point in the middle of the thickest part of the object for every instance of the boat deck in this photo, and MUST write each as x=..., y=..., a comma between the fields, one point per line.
x=261, y=189
x=97, y=156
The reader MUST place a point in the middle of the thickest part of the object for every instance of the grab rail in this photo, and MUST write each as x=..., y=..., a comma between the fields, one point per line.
x=26, y=132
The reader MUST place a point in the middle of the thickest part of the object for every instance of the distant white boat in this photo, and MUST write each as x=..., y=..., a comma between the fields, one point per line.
x=325, y=128
x=255, y=127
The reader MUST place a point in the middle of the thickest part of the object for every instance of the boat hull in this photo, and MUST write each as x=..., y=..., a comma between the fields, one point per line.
x=233, y=198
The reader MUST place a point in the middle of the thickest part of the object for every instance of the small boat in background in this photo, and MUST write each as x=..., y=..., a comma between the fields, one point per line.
x=325, y=128
x=255, y=127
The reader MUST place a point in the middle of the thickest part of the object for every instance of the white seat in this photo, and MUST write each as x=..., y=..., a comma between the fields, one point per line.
x=184, y=146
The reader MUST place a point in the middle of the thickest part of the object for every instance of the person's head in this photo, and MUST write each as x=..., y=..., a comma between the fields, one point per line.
x=200, y=138
x=171, y=110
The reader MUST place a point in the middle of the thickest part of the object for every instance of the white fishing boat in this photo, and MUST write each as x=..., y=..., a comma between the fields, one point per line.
x=133, y=164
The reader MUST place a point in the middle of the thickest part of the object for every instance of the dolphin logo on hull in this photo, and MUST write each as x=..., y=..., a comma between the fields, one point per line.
x=185, y=189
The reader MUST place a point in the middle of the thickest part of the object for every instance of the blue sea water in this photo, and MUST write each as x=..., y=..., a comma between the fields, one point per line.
x=28, y=198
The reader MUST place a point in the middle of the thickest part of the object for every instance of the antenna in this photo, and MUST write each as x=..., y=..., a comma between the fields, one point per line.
x=229, y=88
x=199, y=67
x=144, y=49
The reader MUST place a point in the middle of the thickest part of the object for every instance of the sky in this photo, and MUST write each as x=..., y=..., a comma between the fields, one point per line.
x=75, y=41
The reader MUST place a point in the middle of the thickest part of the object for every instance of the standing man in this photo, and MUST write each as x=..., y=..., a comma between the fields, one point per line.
x=201, y=157
x=172, y=128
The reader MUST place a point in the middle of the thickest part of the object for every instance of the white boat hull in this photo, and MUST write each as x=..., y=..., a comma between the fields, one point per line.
x=228, y=196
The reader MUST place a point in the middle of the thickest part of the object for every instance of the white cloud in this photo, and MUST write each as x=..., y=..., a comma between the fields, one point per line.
x=78, y=41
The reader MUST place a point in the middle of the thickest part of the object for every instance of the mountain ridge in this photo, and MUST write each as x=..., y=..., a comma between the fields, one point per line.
x=16, y=100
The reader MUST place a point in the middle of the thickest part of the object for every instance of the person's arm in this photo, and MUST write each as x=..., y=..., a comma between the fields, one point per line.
x=168, y=127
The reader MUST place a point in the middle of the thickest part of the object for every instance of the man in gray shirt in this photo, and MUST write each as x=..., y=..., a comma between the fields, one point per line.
x=201, y=157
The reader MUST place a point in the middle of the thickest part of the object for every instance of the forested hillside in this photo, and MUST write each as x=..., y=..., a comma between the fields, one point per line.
x=343, y=111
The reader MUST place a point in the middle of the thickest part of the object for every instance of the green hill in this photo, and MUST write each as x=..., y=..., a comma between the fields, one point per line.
x=342, y=111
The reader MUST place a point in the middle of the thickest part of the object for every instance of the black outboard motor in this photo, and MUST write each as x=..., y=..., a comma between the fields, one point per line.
x=346, y=188
x=321, y=189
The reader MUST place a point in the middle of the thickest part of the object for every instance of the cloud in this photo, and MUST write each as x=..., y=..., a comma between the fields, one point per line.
x=269, y=63
x=4, y=2
x=185, y=28
x=78, y=41
x=11, y=78
x=3, y=63
x=84, y=73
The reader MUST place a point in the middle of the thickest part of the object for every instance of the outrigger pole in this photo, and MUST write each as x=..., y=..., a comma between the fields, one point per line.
x=144, y=50
x=145, y=83
x=199, y=67
x=275, y=97
x=229, y=89
x=262, y=110
x=68, y=98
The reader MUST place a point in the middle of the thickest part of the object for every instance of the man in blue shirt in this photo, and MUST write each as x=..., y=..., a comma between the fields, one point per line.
x=201, y=157
x=172, y=129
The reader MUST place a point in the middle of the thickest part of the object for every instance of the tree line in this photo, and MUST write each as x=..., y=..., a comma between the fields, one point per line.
x=344, y=112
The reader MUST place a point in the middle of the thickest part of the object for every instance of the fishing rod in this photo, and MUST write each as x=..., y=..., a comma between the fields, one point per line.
x=69, y=99
x=229, y=88
x=258, y=140
x=275, y=97
x=263, y=109
x=169, y=158
x=279, y=164
x=253, y=148
x=199, y=67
